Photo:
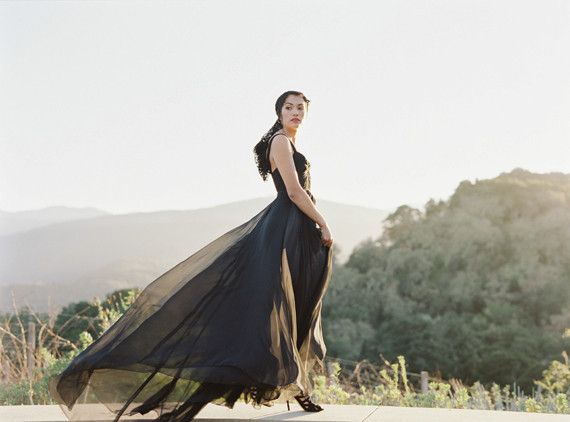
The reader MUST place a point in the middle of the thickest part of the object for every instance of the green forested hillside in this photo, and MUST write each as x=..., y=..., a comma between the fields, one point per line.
x=476, y=287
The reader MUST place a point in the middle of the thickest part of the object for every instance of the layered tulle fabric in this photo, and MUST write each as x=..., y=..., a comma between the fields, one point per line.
x=239, y=318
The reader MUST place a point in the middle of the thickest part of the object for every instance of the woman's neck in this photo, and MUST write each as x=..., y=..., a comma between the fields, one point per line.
x=289, y=134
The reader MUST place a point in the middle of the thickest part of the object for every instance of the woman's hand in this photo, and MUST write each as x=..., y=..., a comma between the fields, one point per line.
x=326, y=236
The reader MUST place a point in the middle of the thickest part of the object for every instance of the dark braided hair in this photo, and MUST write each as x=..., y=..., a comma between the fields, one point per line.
x=260, y=150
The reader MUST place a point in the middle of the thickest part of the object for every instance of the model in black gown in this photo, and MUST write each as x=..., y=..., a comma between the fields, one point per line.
x=239, y=318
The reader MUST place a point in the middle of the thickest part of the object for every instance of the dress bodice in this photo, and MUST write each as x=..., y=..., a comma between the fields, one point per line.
x=302, y=166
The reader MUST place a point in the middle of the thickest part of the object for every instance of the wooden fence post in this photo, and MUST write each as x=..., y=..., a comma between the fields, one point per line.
x=330, y=371
x=424, y=378
x=31, y=347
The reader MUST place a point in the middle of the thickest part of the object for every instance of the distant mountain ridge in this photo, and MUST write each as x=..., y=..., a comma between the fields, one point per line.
x=14, y=222
x=87, y=256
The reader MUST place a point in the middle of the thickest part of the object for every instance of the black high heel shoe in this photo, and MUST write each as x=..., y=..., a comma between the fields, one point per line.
x=307, y=404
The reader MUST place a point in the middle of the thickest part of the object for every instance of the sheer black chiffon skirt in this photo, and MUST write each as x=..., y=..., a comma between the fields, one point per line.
x=239, y=318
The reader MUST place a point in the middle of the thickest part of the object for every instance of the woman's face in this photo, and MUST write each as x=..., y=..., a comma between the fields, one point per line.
x=293, y=111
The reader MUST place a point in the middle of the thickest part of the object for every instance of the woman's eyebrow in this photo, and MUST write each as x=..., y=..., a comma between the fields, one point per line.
x=294, y=104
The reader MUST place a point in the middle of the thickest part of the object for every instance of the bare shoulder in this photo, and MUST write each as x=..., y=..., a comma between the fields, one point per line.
x=281, y=143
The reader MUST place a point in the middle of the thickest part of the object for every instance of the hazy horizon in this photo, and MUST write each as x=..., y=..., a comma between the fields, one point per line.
x=268, y=198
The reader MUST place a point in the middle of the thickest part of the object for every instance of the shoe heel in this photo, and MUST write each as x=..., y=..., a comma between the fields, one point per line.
x=288, y=408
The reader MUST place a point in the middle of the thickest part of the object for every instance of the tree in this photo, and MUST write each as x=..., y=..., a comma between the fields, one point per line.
x=476, y=287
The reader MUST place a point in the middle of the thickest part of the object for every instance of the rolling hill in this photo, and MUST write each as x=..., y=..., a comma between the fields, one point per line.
x=77, y=259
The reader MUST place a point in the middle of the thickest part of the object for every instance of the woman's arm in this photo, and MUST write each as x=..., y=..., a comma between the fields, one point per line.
x=281, y=154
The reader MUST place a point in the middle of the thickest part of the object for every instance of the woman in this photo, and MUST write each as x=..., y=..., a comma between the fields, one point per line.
x=240, y=317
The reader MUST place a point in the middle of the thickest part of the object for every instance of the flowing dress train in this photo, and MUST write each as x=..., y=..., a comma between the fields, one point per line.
x=239, y=318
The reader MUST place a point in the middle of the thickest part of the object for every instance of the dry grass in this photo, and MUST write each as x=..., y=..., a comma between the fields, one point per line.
x=23, y=346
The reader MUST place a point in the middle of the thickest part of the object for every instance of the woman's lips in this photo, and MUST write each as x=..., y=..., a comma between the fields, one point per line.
x=295, y=120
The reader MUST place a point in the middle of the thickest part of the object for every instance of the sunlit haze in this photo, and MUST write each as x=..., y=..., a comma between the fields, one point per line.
x=144, y=106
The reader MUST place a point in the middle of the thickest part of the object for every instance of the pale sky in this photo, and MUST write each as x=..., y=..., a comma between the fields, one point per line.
x=145, y=106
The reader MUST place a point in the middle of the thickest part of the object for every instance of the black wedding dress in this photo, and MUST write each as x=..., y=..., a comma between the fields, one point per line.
x=239, y=318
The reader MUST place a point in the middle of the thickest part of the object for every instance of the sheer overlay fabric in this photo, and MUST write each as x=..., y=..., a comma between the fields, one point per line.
x=239, y=318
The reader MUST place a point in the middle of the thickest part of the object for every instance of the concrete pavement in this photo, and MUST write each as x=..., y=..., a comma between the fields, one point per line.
x=332, y=413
